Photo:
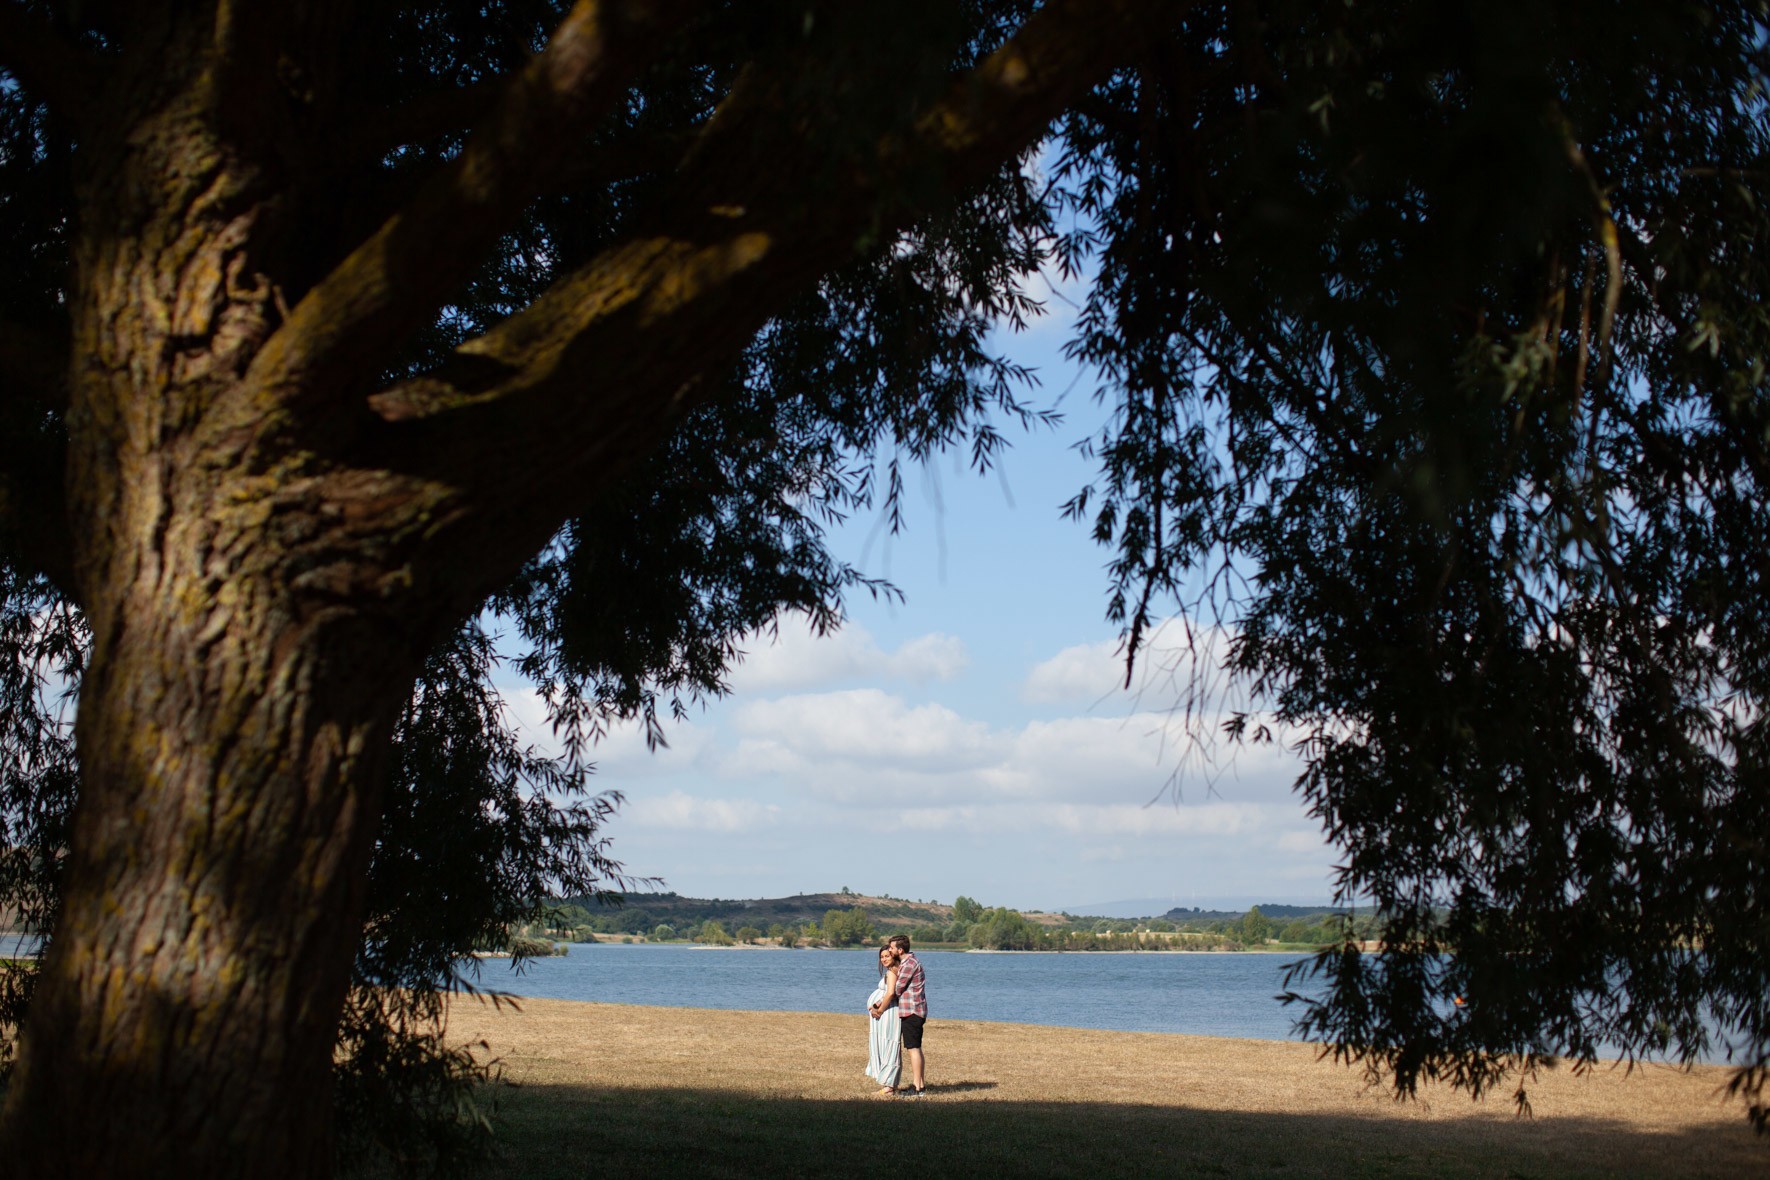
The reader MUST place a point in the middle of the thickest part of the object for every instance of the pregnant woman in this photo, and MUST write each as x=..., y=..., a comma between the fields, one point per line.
x=885, y=1054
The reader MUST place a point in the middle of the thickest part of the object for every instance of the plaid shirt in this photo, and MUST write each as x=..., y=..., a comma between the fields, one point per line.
x=912, y=987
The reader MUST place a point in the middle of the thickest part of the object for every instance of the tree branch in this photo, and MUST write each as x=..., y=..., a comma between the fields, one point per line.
x=613, y=163
x=47, y=65
x=344, y=330
x=572, y=389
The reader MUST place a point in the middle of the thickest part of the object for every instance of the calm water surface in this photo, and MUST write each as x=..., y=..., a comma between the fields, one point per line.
x=1216, y=995
x=1212, y=995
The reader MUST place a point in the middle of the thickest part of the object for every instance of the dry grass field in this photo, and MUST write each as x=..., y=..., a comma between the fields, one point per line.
x=615, y=1089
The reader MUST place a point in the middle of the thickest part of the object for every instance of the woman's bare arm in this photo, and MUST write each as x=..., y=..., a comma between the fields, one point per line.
x=890, y=992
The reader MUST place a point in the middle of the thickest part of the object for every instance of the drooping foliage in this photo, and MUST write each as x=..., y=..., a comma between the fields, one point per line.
x=1437, y=342
x=41, y=644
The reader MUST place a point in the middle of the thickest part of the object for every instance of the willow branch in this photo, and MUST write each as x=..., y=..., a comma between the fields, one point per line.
x=1746, y=430
x=1605, y=223
x=344, y=330
x=580, y=383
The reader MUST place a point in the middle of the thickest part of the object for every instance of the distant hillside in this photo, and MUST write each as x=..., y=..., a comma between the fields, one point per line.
x=1151, y=907
x=643, y=911
x=831, y=919
x=679, y=911
x=1287, y=912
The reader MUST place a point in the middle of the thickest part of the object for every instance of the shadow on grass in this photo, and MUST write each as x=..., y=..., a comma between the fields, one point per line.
x=548, y=1131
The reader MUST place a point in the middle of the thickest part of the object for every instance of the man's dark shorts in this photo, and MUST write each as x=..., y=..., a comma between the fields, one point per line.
x=910, y=1031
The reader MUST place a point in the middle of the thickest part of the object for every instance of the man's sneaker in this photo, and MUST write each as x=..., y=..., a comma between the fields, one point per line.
x=911, y=1093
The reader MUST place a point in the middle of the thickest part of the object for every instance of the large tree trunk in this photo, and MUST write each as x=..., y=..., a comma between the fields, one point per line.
x=254, y=635
x=189, y=1005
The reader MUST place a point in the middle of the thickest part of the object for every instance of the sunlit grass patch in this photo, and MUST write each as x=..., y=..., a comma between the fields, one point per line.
x=681, y=1092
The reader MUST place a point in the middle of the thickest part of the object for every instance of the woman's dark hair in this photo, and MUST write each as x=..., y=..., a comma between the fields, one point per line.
x=880, y=960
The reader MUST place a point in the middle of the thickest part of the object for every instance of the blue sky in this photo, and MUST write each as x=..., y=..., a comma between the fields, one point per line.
x=974, y=739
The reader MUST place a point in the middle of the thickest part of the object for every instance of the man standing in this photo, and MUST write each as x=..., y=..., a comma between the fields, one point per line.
x=912, y=1009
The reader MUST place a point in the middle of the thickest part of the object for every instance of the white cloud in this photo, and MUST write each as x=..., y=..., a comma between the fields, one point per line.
x=939, y=819
x=1119, y=785
x=1192, y=819
x=1092, y=757
x=1300, y=842
x=869, y=727
x=1085, y=673
x=869, y=747
x=1087, y=821
x=525, y=710
x=1316, y=873
x=622, y=752
x=682, y=812
x=1177, y=660
x=936, y=656
x=797, y=658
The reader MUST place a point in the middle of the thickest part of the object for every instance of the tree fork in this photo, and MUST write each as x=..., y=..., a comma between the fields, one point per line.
x=265, y=552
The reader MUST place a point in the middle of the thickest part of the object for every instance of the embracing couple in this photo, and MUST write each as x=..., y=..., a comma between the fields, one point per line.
x=899, y=1008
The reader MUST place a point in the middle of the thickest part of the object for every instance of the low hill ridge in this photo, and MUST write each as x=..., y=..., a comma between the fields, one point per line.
x=676, y=909
x=800, y=907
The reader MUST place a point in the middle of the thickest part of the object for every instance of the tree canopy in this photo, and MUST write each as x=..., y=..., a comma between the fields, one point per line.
x=1443, y=359
x=1435, y=345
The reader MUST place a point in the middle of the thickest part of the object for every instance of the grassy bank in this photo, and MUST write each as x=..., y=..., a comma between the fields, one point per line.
x=686, y=1092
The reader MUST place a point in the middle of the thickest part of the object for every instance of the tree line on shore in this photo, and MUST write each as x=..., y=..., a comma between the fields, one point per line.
x=971, y=926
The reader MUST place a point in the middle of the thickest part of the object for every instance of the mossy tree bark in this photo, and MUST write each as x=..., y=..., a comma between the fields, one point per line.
x=266, y=544
x=254, y=632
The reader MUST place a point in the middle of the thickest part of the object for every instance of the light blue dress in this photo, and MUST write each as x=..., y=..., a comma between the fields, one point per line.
x=884, y=1052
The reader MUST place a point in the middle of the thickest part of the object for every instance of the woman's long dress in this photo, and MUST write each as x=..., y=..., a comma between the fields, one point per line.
x=884, y=1052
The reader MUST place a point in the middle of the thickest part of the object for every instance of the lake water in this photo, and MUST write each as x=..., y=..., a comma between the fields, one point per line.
x=1224, y=995
x=1219, y=995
